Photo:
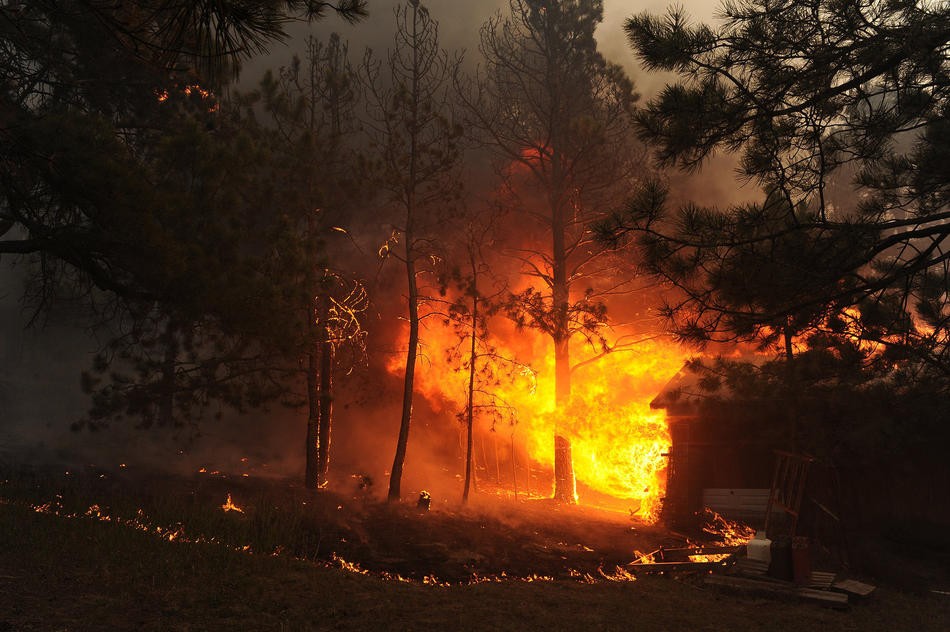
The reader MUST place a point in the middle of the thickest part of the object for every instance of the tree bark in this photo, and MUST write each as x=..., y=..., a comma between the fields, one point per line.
x=395, y=477
x=565, y=489
x=470, y=411
x=311, y=478
x=418, y=62
x=325, y=394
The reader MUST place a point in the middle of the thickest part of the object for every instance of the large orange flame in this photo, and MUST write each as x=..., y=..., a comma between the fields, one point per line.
x=619, y=443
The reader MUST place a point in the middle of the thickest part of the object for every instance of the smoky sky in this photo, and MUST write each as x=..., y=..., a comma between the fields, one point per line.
x=459, y=25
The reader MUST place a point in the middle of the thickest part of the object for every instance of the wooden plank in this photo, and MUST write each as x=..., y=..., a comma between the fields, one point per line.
x=738, y=503
x=751, y=567
x=820, y=579
x=682, y=554
x=825, y=596
x=747, y=583
x=670, y=567
x=855, y=587
x=778, y=589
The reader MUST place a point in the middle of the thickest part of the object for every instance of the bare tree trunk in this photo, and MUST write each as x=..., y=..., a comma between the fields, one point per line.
x=470, y=411
x=418, y=67
x=311, y=479
x=565, y=489
x=514, y=466
x=325, y=394
x=494, y=445
x=395, y=476
x=792, y=395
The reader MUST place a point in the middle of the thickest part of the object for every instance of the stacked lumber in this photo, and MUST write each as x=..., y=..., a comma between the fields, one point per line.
x=821, y=580
x=748, y=567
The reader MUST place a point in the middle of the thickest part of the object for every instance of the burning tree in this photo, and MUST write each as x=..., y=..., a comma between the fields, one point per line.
x=417, y=145
x=469, y=315
x=559, y=117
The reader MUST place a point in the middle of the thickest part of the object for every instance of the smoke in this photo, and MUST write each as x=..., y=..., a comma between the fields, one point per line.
x=40, y=394
x=39, y=372
x=612, y=40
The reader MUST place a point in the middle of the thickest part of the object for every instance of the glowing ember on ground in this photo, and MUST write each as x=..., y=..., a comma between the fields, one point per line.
x=230, y=506
x=618, y=441
x=708, y=557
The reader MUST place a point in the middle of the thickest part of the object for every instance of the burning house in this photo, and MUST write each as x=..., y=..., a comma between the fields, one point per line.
x=722, y=454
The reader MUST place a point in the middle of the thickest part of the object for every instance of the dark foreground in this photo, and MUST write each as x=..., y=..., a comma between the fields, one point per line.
x=85, y=573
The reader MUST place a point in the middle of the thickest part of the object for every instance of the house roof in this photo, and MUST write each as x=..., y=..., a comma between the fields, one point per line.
x=683, y=394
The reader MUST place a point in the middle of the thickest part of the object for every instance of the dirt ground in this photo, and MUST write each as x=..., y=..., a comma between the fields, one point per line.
x=93, y=549
x=451, y=542
x=520, y=539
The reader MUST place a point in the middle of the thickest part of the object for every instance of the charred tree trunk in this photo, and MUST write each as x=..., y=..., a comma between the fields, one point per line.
x=311, y=478
x=419, y=155
x=564, y=483
x=514, y=467
x=792, y=392
x=470, y=410
x=325, y=394
x=395, y=477
x=565, y=489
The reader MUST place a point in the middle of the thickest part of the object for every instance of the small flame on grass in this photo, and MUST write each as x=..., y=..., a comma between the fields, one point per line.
x=731, y=532
x=619, y=575
x=347, y=565
x=230, y=506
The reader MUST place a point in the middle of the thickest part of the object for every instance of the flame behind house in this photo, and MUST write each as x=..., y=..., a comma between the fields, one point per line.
x=618, y=442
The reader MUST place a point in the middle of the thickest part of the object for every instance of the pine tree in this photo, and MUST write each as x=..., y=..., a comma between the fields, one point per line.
x=559, y=118
x=838, y=110
x=418, y=155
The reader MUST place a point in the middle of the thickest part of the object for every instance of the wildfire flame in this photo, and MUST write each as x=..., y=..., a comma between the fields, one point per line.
x=618, y=441
x=230, y=506
x=731, y=532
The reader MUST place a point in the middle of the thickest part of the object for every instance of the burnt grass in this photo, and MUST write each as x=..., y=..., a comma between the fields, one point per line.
x=295, y=559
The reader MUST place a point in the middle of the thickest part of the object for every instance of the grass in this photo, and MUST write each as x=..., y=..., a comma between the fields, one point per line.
x=78, y=574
